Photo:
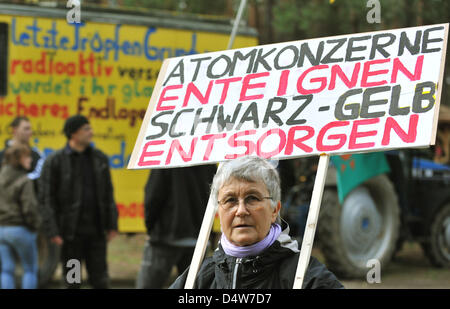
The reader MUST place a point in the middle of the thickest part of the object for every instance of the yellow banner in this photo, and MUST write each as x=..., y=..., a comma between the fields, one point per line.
x=105, y=72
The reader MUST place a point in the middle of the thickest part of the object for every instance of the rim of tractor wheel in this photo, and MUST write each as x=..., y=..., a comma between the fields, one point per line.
x=366, y=226
x=444, y=238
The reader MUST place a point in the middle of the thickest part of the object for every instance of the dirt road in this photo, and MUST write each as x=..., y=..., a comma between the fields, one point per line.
x=409, y=270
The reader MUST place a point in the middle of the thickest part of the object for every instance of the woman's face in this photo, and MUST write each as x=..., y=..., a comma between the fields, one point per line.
x=243, y=225
x=25, y=161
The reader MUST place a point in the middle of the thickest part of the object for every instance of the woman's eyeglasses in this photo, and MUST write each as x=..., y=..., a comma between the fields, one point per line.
x=251, y=201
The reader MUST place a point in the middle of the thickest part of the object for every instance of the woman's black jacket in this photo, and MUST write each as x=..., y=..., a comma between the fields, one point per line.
x=274, y=268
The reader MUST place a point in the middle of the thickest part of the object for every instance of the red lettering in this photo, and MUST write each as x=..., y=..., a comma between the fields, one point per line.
x=298, y=142
x=282, y=86
x=336, y=70
x=71, y=69
x=409, y=137
x=398, y=66
x=33, y=110
x=192, y=89
x=27, y=66
x=132, y=211
x=277, y=150
x=341, y=137
x=121, y=209
x=14, y=63
x=226, y=84
x=163, y=98
x=210, y=138
x=8, y=109
x=21, y=108
x=367, y=73
x=186, y=157
x=321, y=80
x=60, y=68
x=356, y=134
x=246, y=86
x=146, y=154
x=248, y=144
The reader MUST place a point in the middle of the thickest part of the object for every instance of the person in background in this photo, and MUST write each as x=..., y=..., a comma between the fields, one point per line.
x=19, y=218
x=255, y=250
x=21, y=133
x=175, y=202
x=79, y=210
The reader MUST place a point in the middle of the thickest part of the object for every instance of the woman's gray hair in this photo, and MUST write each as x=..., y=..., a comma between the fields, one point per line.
x=251, y=169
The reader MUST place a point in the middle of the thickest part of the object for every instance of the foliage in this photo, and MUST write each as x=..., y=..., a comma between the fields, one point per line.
x=300, y=19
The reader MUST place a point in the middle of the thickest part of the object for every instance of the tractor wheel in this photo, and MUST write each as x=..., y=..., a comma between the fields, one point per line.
x=365, y=227
x=437, y=246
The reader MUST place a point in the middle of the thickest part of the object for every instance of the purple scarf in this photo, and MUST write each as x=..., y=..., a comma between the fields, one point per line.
x=252, y=250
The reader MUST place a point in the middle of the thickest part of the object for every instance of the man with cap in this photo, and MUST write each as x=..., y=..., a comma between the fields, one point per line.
x=79, y=210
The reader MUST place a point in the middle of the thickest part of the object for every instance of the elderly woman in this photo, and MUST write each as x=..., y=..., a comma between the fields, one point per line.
x=255, y=250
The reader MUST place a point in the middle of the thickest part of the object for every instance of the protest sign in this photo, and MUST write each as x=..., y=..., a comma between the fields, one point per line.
x=352, y=93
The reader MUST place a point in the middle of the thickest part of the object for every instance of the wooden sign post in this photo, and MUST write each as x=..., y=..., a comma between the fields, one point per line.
x=354, y=93
x=311, y=221
x=202, y=242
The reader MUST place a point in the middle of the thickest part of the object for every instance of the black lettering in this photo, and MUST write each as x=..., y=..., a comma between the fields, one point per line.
x=209, y=120
x=276, y=62
x=353, y=107
x=149, y=74
x=426, y=40
x=366, y=102
x=260, y=59
x=420, y=95
x=209, y=72
x=163, y=125
x=404, y=42
x=226, y=122
x=394, y=109
x=306, y=51
x=122, y=72
x=327, y=58
x=238, y=55
x=376, y=46
x=293, y=119
x=197, y=67
x=272, y=113
x=179, y=67
x=351, y=48
x=172, y=132
x=250, y=114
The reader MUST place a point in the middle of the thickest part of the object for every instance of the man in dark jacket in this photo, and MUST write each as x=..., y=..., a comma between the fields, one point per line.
x=175, y=202
x=79, y=209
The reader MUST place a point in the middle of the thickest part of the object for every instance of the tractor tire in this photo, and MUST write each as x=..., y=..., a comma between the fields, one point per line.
x=49, y=258
x=365, y=227
x=437, y=246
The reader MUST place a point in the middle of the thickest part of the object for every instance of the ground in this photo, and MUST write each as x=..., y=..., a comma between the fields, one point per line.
x=409, y=270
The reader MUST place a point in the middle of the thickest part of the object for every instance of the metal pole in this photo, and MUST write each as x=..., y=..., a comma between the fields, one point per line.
x=237, y=21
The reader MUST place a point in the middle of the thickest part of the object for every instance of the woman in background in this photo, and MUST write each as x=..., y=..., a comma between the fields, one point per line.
x=19, y=218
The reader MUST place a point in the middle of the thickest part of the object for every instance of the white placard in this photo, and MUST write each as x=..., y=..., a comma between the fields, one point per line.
x=353, y=93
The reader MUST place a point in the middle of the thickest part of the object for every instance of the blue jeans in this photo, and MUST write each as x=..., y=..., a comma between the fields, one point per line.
x=22, y=241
